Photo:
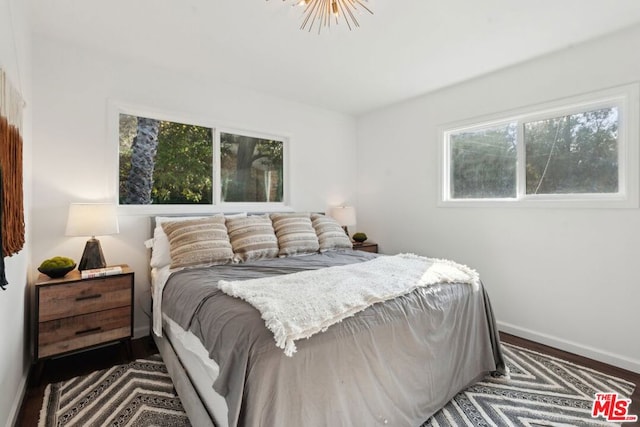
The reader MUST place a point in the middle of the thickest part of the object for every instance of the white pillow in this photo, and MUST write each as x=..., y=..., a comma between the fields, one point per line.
x=160, y=253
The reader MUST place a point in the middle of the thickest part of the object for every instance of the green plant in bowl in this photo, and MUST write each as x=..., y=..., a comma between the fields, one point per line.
x=359, y=237
x=57, y=266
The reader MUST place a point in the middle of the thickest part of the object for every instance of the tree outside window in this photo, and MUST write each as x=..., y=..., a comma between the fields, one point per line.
x=251, y=168
x=576, y=153
x=483, y=163
x=569, y=154
x=164, y=162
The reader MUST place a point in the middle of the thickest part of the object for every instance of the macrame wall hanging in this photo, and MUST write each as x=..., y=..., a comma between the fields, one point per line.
x=11, y=196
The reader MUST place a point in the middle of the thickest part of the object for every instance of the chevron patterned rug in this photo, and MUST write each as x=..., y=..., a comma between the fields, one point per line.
x=541, y=391
x=138, y=394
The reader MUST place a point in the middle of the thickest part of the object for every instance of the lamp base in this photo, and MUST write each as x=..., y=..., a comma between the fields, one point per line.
x=92, y=256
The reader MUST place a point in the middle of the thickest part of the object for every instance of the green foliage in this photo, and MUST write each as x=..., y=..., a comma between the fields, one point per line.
x=251, y=168
x=56, y=262
x=359, y=237
x=483, y=163
x=576, y=153
x=573, y=154
x=183, y=167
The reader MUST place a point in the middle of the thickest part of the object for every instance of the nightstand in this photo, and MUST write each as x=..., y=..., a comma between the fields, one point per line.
x=366, y=247
x=73, y=314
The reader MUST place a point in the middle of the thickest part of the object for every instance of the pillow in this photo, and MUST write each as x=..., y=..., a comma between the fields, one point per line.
x=160, y=255
x=295, y=233
x=330, y=235
x=252, y=238
x=201, y=241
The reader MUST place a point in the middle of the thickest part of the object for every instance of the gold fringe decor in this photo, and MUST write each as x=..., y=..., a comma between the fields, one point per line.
x=12, y=203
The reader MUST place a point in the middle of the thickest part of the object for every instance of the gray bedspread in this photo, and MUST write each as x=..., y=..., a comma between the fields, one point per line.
x=395, y=363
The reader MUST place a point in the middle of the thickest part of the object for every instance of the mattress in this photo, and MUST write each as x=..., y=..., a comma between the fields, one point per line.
x=201, y=369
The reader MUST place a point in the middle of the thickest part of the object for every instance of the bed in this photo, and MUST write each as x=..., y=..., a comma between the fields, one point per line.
x=394, y=362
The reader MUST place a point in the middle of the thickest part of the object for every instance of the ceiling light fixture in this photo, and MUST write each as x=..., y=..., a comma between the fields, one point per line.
x=323, y=12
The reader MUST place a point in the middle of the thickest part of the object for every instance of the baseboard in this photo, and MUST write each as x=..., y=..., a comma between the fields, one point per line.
x=600, y=355
x=12, y=420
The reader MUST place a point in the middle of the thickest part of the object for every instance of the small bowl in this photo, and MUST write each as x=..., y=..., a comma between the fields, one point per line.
x=359, y=238
x=56, y=273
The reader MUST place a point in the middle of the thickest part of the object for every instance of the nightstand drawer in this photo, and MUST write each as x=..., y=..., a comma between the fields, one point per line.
x=72, y=333
x=366, y=247
x=58, y=301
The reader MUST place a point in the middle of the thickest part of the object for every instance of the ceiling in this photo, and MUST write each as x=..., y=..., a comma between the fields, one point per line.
x=405, y=49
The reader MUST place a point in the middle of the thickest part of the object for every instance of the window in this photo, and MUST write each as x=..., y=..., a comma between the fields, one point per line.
x=163, y=162
x=574, y=153
x=483, y=162
x=251, y=168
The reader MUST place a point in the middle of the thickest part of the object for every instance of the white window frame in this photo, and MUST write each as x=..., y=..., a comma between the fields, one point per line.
x=115, y=108
x=625, y=98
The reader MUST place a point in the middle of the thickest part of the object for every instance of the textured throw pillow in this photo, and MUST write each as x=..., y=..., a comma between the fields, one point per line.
x=330, y=235
x=252, y=238
x=161, y=253
x=201, y=241
x=295, y=233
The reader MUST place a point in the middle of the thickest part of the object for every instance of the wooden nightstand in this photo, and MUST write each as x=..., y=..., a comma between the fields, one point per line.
x=366, y=247
x=74, y=314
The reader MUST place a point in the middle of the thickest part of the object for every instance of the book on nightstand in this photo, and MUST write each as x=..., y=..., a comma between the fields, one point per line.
x=100, y=272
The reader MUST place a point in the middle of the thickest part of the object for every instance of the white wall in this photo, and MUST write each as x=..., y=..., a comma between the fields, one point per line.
x=565, y=277
x=14, y=348
x=75, y=160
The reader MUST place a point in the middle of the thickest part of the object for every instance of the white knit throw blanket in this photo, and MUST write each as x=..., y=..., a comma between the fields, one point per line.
x=298, y=305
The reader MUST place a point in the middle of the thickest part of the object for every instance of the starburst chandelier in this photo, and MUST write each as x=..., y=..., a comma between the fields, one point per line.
x=323, y=12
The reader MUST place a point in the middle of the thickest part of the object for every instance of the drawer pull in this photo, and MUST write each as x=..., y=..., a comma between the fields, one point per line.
x=93, y=296
x=89, y=331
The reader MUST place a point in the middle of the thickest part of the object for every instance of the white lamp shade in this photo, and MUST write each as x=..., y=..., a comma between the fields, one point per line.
x=344, y=215
x=92, y=219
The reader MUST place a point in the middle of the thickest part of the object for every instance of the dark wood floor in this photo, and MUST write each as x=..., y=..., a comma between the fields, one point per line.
x=80, y=364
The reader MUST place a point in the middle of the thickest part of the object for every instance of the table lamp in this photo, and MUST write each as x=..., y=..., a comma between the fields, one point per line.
x=92, y=219
x=344, y=215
